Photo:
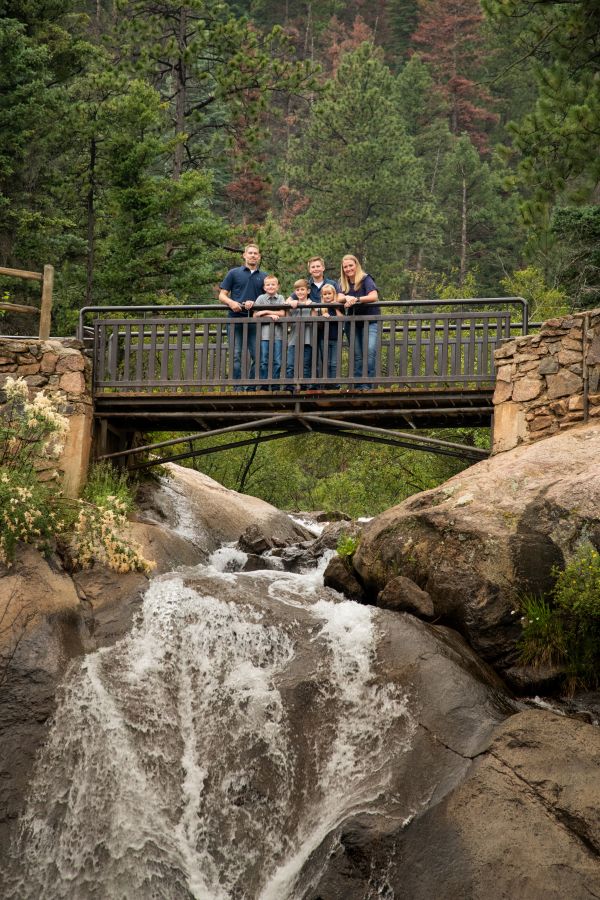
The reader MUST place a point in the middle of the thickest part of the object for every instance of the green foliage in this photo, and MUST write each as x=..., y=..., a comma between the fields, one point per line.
x=325, y=472
x=36, y=513
x=542, y=641
x=545, y=302
x=105, y=482
x=565, y=628
x=357, y=166
x=28, y=513
x=347, y=546
x=31, y=433
x=555, y=140
x=578, y=233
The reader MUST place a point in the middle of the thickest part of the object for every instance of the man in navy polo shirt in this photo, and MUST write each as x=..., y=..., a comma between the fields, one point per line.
x=239, y=290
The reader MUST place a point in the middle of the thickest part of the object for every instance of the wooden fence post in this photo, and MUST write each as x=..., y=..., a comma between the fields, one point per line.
x=46, y=308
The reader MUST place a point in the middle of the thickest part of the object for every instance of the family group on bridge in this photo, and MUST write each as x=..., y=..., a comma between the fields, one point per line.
x=250, y=292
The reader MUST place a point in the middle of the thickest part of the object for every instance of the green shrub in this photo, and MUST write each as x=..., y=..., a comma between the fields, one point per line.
x=346, y=546
x=542, y=641
x=565, y=628
x=31, y=433
x=105, y=483
x=100, y=531
x=35, y=512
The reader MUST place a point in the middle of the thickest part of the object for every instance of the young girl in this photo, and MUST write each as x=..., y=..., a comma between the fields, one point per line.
x=330, y=334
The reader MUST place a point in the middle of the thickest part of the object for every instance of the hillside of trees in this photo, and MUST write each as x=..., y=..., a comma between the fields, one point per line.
x=453, y=146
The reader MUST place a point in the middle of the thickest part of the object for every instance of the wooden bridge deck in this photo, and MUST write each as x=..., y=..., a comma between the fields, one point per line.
x=384, y=407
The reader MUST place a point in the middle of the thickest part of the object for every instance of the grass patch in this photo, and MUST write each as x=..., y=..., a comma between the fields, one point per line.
x=564, y=627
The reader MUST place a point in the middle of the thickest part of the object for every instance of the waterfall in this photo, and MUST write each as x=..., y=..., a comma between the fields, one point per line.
x=211, y=752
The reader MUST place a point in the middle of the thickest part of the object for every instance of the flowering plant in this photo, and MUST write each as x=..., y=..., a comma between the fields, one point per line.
x=33, y=512
x=30, y=431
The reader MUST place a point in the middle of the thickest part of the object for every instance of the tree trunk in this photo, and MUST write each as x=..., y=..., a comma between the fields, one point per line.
x=463, y=236
x=420, y=254
x=180, y=89
x=91, y=226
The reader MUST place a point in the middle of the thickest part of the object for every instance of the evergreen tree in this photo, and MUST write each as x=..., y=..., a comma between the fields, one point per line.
x=38, y=58
x=450, y=39
x=357, y=165
x=578, y=232
x=481, y=230
x=558, y=140
x=214, y=71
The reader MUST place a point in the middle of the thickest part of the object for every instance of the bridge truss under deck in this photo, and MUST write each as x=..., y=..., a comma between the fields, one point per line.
x=384, y=416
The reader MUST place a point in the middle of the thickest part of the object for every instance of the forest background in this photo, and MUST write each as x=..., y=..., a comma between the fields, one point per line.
x=451, y=144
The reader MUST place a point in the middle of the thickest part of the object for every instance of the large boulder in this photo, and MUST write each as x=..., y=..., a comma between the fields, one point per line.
x=489, y=534
x=524, y=823
x=203, y=511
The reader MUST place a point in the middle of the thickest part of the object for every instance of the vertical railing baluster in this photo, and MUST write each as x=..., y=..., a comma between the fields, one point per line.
x=177, y=350
x=126, y=352
x=114, y=349
x=152, y=349
x=444, y=346
x=417, y=349
x=100, y=352
x=484, y=353
x=189, y=354
x=471, y=366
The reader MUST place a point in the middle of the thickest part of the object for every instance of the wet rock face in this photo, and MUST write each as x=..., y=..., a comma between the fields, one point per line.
x=485, y=536
x=202, y=510
x=403, y=595
x=261, y=710
x=339, y=576
x=524, y=823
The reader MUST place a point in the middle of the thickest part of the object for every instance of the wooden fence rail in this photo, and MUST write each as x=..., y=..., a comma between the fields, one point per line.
x=45, y=310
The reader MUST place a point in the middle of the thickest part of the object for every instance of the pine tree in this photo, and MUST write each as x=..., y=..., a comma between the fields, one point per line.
x=357, y=165
x=38, y=58
x=558, y=140
x=481, y=235
x=214, y=71
x=449, y=38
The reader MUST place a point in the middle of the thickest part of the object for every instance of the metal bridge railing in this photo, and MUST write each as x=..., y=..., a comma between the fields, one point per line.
x=157, y=349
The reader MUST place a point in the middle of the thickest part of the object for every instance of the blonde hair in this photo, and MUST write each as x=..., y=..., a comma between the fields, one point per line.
x=302, y=282
x=271, y=277
x=330, y=287
x=316, y=259
x=358, y=277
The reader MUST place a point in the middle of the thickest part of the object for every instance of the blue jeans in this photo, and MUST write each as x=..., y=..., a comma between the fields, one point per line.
x=306, y=361
x=332, y=350
x=236, y=337
x=264, y=358
x=358, y=349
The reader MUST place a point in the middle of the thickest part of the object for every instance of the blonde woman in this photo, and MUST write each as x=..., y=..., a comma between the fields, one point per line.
x=358, y=292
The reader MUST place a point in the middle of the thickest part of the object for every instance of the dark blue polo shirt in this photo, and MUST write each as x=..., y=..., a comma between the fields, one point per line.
x=243, y=284
x=363, y=309
x=315, y=292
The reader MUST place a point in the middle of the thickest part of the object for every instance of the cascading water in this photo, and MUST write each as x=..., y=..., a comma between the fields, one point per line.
x=213, y=750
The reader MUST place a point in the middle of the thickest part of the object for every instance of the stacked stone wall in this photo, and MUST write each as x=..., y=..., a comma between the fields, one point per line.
x=548, y=381
x=57, y=367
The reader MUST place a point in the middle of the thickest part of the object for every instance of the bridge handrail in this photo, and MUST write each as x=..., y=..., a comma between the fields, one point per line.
x=215, y=306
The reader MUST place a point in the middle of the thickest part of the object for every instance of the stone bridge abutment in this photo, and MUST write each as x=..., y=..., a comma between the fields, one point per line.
x=547, y=381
